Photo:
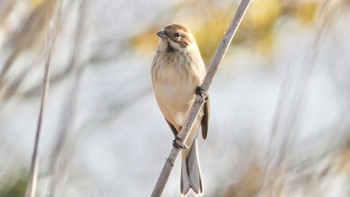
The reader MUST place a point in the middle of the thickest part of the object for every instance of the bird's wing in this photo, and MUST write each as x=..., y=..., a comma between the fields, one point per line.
x=205, y=119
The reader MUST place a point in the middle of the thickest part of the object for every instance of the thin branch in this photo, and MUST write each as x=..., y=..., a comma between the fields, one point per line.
x=198, y=104
x=33, y=174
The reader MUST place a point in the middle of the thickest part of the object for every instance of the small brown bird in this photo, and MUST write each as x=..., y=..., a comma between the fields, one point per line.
x=177, y=74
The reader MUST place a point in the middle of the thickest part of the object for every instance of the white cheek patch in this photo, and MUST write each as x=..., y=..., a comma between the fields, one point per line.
x=176, y=46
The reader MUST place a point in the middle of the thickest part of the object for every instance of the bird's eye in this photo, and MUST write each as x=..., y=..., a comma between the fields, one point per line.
x=177, y=35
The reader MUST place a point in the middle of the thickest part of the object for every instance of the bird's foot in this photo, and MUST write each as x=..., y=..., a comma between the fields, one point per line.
x=201, y=92
x=178, y=143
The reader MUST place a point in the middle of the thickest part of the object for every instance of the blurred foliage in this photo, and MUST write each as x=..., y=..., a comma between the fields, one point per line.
x=309, y=177
x=146, y=39
x=209, y=20
x=262, y=14
x=209, y=36
x=28, y=36
x=24, y=32
x=14, y=187
x=256, y=28
x=248, y=185
x=37, y=3
x=344, y=158
x=6, y=8
x=306, y=12
x=32, y=28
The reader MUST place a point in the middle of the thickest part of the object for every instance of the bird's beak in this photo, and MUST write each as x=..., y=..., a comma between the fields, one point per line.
x=162, y=34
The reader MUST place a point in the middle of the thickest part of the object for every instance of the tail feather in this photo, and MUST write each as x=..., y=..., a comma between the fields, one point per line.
x=190, y=171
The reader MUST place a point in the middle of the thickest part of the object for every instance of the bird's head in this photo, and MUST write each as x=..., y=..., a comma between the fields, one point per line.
x=176, y=38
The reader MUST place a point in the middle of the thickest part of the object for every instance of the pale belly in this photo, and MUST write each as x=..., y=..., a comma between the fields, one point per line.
x=174, y=87
x=174, y=99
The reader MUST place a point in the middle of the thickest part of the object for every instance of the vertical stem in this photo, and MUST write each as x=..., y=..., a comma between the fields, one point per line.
x=33, y=174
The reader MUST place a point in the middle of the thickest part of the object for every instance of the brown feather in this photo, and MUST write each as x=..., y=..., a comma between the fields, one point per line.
x=205, y=119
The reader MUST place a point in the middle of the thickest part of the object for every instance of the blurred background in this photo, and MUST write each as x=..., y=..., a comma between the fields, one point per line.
x=280, y=100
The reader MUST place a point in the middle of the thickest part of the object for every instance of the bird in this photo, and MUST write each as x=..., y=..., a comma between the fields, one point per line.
x=177, y=74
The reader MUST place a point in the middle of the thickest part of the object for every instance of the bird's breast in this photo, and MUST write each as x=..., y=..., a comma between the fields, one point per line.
x=174, y=84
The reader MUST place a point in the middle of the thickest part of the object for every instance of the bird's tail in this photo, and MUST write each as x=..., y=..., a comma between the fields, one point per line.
x=190, y=171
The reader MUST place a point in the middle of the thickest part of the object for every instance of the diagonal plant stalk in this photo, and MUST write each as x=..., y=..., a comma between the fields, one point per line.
x=198, y=104
x=51, y=38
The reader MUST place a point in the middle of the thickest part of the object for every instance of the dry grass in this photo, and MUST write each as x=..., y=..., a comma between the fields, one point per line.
x=24, y=48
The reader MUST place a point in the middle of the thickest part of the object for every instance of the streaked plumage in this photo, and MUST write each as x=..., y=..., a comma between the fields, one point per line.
x=177, y=70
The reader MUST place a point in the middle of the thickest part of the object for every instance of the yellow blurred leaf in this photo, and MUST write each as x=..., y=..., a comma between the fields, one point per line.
x=145, y=40
x=37, y=3
x=210, y=34
x=263, y=13
x=306, y=12
x=266, y=41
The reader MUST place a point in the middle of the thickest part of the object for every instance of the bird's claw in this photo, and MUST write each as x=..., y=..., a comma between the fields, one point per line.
x=201, y=92
x=177, y=143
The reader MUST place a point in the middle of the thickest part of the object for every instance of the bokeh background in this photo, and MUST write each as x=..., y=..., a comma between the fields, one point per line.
x=280, y=100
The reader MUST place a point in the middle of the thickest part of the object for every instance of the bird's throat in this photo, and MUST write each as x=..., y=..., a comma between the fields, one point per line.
x=170, y=49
